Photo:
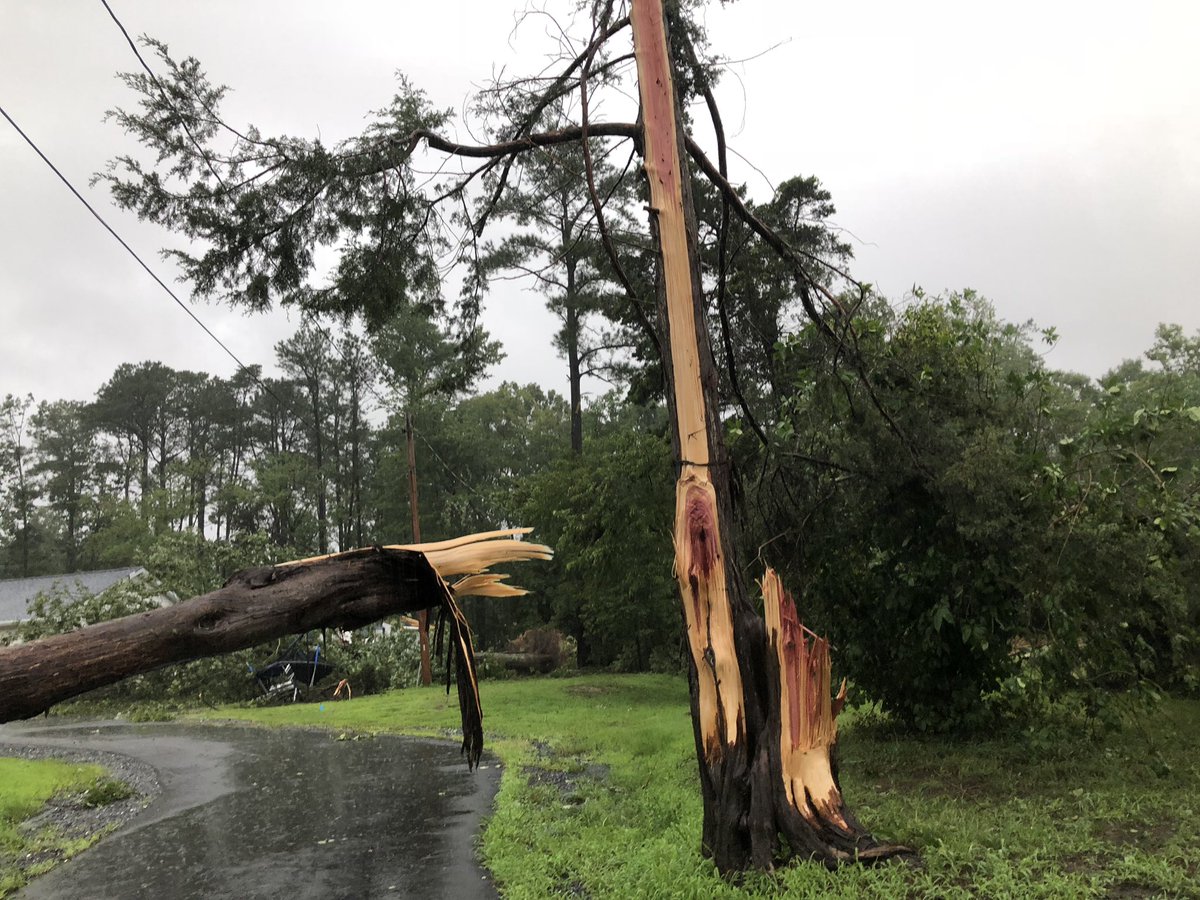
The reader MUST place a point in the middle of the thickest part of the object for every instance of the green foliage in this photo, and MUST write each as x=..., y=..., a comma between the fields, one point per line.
x=69, y=606
x=977, y=531
x=915, y=522
x=181, y=565
x=606, y=512
x=107, y=791
x=374, y=662
x=260, y=206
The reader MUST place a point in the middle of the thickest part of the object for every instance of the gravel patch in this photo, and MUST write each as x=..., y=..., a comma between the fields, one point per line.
x=68, y=814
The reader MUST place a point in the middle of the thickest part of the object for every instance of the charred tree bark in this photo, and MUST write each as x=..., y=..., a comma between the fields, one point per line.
x=346, y=590
x=758, y=779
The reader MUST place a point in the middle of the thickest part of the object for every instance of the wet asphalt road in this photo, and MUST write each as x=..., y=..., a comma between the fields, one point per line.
x=252, y=813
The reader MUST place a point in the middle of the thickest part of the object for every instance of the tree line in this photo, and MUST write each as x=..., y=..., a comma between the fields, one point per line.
x=977, y=532
x=1014, y=533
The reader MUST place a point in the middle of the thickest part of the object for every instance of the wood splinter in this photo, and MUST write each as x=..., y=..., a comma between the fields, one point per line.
x=808, y=736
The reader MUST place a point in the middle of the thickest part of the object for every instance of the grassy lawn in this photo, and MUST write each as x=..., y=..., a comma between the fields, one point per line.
x=25, y=786
x=599, y=798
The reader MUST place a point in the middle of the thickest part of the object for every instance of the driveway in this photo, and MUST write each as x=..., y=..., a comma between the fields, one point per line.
x=247, y=812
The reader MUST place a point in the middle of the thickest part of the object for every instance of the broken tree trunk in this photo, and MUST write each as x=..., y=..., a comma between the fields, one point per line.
x=342, y=590
x=753, y=791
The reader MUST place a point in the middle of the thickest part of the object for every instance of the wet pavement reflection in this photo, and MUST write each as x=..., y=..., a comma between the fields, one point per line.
x=248, y=812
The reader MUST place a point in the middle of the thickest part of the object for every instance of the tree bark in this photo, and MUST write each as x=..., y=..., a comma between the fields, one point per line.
x=346, y=590
x=574, y=375
x=757, y=780
x=423, y=615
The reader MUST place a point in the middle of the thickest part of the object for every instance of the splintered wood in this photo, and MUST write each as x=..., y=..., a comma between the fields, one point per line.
x=699, y=563
x=808, y=712
x=471, y=555
x=341, y=590
x=701, y=574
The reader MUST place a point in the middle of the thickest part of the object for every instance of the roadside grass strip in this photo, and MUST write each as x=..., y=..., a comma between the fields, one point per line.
x=600, y=798
x=25, y=788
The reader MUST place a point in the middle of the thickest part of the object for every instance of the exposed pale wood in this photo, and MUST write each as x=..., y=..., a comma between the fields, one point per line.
x=808, y=727
x=486, y=585
x=699, y=562
x=700, y=571
x=467, y=555
x=739, y=703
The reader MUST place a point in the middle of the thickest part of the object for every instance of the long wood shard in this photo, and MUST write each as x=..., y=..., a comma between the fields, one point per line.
x=808, y=736
x=700, y=572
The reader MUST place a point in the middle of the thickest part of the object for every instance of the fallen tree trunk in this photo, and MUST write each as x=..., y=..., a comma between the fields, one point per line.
x=344, y=590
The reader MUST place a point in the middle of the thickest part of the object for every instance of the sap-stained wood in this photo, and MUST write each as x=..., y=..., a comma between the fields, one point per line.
x=762, y=714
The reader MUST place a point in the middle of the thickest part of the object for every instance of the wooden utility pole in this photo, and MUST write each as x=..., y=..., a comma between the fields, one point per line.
x=423, y=615
x=765, y=769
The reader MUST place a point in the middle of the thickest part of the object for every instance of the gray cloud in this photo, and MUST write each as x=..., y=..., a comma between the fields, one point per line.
x=1044, y=155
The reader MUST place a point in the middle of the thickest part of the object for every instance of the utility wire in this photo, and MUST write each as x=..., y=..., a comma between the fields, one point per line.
x=133, y=253
x=324, y=332
x=162, y=90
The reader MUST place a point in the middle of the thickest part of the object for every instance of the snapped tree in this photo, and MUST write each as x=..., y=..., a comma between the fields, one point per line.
x=763, y=715
x=343, y=590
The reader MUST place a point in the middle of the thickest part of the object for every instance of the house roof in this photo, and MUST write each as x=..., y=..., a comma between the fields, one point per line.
x=15, y=593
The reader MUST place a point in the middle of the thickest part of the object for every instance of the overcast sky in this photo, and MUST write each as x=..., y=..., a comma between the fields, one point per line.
x=1046, y=154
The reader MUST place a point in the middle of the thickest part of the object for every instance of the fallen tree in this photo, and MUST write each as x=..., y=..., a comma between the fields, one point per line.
x=342, y=590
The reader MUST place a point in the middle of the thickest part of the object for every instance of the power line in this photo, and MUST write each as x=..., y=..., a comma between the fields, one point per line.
x=162, y=90
x=133, y=253
x=167, y=99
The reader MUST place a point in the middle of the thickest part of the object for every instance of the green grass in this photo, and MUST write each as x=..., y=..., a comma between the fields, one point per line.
x=25, y=786
x=1116, y=816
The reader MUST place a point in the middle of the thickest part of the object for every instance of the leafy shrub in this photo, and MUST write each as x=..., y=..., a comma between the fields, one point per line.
x=971, y=502
x=374, y=661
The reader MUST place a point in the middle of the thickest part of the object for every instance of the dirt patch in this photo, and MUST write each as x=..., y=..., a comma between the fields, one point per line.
x=570, y=887
x=1081, y=864
x=567, y=783
x=1131, y=889
x=1134, y=834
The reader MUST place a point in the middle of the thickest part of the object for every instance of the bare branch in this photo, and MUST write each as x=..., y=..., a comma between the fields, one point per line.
x=558, y=88
x=597, y=206
x=714, y=114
